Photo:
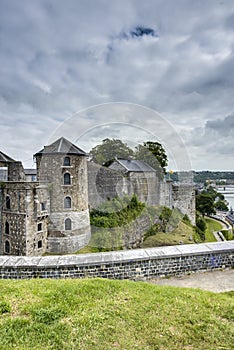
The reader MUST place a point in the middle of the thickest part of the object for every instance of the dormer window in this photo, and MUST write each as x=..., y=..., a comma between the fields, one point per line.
x=67, y=161
x=67, y=179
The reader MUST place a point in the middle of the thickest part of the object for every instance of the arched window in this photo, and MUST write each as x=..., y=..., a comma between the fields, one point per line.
x=7, y=228
x=7, y=247
x=8, y=202
x=67, y=202
x=67, y=161
x=68, y=224
x=67, y=179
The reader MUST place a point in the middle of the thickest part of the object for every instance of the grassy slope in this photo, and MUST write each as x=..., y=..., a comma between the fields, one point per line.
x=181, y=234
x=104, y=314
x=212, y=225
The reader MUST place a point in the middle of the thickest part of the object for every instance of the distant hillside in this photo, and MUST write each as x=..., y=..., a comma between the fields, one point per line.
x=202, y=176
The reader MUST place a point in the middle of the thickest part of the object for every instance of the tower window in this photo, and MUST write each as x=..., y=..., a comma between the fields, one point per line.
x=39, y=244
x=67, y=179
x=7, y=247
x=8, y=202
x=43, y=206
x=39, y=226
x=68, y=224
x=67, y=161
x=7, y=228
x=67, y=202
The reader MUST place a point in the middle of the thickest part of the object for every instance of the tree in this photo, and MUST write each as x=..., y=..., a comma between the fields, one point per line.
x=153, y=154
x=200, y=227
x=106, y=152
x=221, y=205
x=205, y=204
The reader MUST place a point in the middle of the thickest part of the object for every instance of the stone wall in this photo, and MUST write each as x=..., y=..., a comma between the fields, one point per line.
x=23, y=216
x=103, y=184
x=183, y=198
x=51, y=171
x=132, y=264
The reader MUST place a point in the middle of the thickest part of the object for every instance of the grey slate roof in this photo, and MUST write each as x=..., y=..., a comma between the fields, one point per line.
x=5, y=158
x=133, y=165
x=62, y=146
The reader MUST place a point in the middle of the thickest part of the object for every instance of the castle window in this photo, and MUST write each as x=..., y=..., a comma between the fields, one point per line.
x=67, y=161
x=68, y=224
x=67, y=202
x=7, y=247
x=39, y=244
x=67, y=179
x=39, y=227
x=8, y=202
x=43, y=206
x=7, y=228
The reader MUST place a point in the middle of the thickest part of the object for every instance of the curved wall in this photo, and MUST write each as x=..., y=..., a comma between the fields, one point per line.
x=128, y=264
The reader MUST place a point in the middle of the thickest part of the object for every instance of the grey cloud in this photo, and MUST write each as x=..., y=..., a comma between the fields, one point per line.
x=58, y=57
x=224, y=127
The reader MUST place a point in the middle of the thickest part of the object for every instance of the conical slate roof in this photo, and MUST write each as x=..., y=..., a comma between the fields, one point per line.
x=5, y=158
x=61, y=146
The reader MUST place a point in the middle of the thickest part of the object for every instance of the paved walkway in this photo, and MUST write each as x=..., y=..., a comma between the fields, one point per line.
x=216, y=281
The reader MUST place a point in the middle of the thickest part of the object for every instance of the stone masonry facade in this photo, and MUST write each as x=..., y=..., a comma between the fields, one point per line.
x=139, y=264
x=51, y=214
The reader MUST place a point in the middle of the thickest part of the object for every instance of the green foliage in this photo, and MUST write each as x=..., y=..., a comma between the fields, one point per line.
x=182, y=233
x=108, y=314
x=200, y=227
x=153, y=154
x=110, y=219
x=116, y=212
x=165, y=221
x=106, y=152
x=221, y=205
x=229, y=236
x=4, y=307
x=150, y=152
x=203, y=176
x=186, y=220
x=205, y=204
x=212, y=192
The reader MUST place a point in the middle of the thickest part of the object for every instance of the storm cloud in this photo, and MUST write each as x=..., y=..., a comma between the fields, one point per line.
x=175, y=57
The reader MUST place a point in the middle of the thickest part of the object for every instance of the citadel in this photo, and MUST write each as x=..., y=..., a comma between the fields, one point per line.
x=46, y=210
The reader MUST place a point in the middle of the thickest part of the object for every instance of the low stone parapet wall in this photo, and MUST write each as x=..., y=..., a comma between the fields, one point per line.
x=128, y=264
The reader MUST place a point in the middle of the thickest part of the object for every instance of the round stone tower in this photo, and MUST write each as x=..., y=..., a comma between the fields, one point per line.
x=62, y=166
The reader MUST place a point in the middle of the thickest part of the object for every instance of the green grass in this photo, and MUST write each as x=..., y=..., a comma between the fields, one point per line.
x=212, y=226
x=180, y=235
x=105, y=314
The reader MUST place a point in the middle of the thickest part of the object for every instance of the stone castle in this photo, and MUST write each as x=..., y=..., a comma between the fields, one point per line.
x=47, y=210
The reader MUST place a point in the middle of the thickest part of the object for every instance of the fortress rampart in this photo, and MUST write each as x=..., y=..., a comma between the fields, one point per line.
x=139, y=264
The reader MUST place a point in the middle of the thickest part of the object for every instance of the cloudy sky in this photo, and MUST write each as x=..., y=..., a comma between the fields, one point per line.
x=131, y=69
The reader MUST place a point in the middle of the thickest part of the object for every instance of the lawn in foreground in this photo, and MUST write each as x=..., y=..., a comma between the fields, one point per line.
x=106, y=314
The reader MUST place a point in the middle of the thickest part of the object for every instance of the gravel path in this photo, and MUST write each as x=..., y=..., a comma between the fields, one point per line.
x=215, y=281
